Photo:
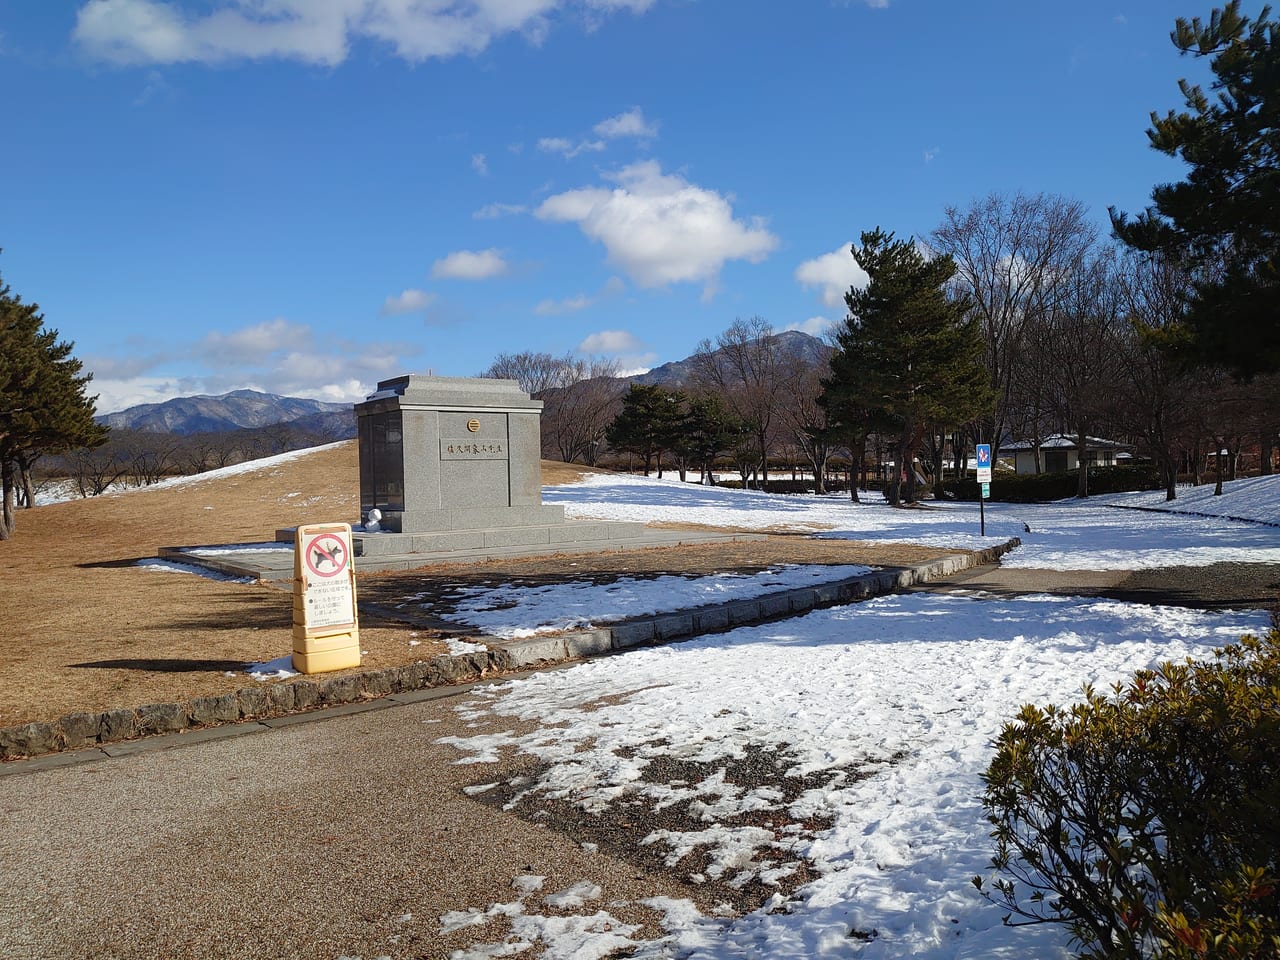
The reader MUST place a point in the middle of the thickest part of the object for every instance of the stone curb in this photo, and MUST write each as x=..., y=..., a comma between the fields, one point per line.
x=82, y=730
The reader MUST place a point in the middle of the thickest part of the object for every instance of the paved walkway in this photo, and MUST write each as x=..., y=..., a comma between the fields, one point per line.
x=345, y=838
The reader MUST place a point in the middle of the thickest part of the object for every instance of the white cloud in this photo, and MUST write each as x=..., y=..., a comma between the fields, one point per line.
x=611, y=288
x=115, y=394
x=317, y=31
x=814, y=326
x=551, y=308
x=629, y=124
x=480, y=164
x=659, y=228
x=492, y=211
x=610, y=341
x=251, y=344
x=931, y=154
x=470, y=265
x=567, y=148
x=834, y=273
x=408, y=301
x=277, y=356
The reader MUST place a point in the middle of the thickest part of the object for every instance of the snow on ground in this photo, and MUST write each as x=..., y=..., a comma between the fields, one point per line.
x=1253, y=498
x=1068, y=535
x=172, y=566
x=61, y=491
x=513, y=612
x=911, y=689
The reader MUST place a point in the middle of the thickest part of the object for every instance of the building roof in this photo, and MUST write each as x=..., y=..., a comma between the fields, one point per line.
x=1061, y=441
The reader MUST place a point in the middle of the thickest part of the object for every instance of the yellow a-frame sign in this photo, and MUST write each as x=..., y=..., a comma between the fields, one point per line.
x=326, y=634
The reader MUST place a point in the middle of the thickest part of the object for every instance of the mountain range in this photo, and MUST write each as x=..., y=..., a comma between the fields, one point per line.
x=249, y=409
x=238, y=410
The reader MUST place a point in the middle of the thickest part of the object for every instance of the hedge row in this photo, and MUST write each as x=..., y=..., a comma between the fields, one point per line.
x=1045, y=487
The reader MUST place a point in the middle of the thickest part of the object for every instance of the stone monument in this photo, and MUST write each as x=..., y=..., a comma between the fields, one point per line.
x=440, y=454
x=453, y=467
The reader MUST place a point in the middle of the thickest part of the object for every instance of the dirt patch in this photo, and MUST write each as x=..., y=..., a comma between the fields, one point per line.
x=87, y=629
x=645, y=832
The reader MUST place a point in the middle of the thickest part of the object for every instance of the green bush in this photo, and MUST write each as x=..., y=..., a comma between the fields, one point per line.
x=1148, y=820
x=1047, y=487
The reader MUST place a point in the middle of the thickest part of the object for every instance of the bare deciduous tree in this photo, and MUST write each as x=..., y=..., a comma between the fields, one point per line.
x=574, y=416
x=1011, y=255
x=752, y=374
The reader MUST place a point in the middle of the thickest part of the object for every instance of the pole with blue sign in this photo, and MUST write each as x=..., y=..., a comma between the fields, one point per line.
x=984, y=479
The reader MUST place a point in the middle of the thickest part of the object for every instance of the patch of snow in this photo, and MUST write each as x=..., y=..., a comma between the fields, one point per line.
x=235, y=470
x=909, y=689
x=172, y=566
x=459, y=648
x=574, y=896
x=1067, y=535
x=1252, y=498
x=230, y=549
x=513, y=612
x=280, y=668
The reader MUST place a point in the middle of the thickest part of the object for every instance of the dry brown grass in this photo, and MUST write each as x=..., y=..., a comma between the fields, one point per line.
x=86, y=629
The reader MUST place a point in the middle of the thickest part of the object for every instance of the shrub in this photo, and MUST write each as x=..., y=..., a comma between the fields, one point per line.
x=1148, y=820
x=1046, y=487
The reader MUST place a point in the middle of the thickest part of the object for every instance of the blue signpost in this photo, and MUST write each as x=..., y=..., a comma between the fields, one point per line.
x=983, y=453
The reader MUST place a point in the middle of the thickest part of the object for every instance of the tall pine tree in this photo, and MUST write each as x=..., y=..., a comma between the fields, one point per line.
x=43, y=406
x=908, y=356
x=1222, y=224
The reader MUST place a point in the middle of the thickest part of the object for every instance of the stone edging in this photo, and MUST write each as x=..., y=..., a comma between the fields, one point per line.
x=82, y=730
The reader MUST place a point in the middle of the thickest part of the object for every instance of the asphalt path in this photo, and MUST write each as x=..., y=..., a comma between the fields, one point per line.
x=347, y=838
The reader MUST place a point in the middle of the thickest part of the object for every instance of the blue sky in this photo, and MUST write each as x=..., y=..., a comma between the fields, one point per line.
x=306, y=196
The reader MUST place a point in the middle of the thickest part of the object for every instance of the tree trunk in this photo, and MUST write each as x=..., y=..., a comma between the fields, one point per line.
x=1082, y=463
x=1264, y=453
x=7, y=525
x=1217, y=467
x=1170, y=478
x=939, y=462
x=28, y=488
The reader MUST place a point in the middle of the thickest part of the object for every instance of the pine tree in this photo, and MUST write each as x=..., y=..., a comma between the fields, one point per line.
x=647, y=424
x=43, y=406
x=908, y=356
x=707, y=430
x=1222, y=224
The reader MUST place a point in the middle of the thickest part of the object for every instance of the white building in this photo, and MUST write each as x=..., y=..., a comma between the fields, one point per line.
x=1060, y=453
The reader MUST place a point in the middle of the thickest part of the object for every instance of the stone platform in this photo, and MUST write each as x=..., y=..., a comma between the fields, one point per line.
x=382, y=552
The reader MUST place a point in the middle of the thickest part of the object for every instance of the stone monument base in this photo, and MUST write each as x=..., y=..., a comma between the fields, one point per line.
x=383, y=551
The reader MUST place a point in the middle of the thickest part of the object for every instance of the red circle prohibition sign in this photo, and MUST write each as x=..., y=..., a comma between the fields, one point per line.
x=326, y=555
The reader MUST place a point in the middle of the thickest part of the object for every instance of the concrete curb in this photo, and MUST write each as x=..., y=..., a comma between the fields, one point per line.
x=259, y=706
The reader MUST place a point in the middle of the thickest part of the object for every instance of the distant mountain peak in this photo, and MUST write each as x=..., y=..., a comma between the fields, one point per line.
x=237, y=410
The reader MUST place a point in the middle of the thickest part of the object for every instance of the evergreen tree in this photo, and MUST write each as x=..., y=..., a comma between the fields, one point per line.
x=707, y=430
x=43, y=406
x=908, y=356
x=647, y=424
x=1222, y=224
